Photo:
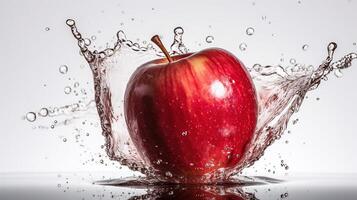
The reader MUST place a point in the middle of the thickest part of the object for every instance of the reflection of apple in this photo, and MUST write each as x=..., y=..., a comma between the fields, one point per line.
x=189, y=193
x=191, y=114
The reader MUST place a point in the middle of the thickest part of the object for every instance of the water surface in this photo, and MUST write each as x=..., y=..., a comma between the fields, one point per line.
x=107, y=185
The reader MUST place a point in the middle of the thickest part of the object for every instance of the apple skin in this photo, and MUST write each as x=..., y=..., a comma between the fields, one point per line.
x=191, y=116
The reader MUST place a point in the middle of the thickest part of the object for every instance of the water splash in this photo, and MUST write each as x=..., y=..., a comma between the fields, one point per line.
x=281, y=91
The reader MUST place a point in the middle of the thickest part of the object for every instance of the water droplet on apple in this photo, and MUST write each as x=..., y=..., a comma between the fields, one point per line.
x=243, y=46
x=31, y=116
x=184, y=133
x=209, y=164
x=63, y=69
x=43, y=112
x=67, y=90
x=159, y=161
x=249, y=31
x=209, y=39
x=168, y=174
x=305, y=47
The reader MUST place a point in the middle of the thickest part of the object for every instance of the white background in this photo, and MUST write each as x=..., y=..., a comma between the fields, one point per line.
x=323, y=141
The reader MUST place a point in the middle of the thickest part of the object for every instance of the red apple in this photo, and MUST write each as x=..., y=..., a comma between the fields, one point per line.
x=191, y=114
x=198, y=193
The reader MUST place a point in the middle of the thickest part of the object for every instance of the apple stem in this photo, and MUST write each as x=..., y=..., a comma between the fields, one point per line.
x=156, y=39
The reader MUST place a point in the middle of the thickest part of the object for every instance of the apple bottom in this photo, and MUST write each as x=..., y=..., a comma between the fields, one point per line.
x=191, y=154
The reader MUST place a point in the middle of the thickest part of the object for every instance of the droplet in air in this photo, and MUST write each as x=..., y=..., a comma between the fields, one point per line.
x=249, y=31
x=243, y=46
x=292, y=61
x=47, y=29
x=43, y=112
x=295, y=121
x=31, y=116
x=305, y=47
x=67, y=90
x=332, y=46
x=70, y=22
x=209, y=39
x=83, y=91
x=64, y=140
x=87, y=41
x=63, y=69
